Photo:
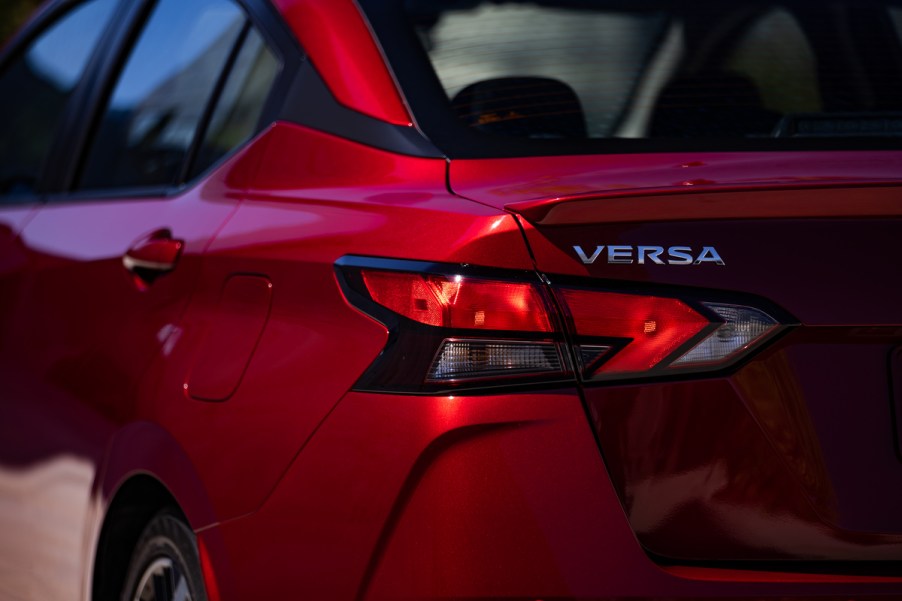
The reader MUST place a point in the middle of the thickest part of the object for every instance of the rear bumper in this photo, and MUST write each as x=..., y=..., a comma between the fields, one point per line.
x=502, y=496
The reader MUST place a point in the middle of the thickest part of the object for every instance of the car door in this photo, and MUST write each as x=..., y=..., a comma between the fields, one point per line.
x=114, y=254
x=42, y=73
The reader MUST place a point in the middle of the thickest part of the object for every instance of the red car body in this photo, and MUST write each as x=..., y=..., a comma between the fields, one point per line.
x=228, y=387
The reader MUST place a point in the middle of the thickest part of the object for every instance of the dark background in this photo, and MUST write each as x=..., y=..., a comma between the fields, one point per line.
x=12, y=14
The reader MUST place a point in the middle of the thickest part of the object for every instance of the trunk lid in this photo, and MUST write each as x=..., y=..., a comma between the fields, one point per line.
x=793, y=453
x=817, y=233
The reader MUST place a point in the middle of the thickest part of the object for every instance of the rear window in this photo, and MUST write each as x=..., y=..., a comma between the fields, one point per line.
x=509, y=78
x=497, y=61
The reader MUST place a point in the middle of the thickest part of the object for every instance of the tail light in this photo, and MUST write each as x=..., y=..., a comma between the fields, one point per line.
x=636, y=335
x=742, y=327
x=459, y=302
x=644, y=330
x=454, y=327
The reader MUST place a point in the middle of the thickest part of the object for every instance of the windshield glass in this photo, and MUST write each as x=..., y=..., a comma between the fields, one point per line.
x=510, y=78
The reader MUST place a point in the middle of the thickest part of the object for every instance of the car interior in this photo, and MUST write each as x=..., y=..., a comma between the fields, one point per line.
x=667, y=70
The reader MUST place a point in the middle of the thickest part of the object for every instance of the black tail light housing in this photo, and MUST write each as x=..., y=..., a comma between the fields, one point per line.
x=454, y=327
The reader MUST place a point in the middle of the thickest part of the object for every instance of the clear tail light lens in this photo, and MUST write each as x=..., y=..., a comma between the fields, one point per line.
x=466, y=359
x=742, y=327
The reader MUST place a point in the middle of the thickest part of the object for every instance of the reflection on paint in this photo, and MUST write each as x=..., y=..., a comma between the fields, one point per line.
x=43, y=511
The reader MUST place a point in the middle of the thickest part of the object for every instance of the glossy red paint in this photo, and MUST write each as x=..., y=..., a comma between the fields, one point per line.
x=210, y=579
x=674, y=186
x=337, y=39
x=471, y=497
x=313, y=210
x=378, y=496
x=738, y=468
x=227, y=375
x=235, y=328
x=13, y=255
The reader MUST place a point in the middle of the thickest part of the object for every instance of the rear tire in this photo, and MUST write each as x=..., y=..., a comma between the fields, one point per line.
x=165, y=564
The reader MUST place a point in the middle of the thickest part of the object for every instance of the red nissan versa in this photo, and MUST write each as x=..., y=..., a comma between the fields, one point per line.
x=464, y=299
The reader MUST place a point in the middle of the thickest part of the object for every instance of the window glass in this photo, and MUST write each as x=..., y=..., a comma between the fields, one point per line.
x=775, y=54
x=160, y=97
x=744, y=81
x=510, y=77
x=35, y=88
x=240, y=106
x=501, y=64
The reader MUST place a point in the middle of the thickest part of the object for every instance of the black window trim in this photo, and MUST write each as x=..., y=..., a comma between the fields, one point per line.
x=203, y=123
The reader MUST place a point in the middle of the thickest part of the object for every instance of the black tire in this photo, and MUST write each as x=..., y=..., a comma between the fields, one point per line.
x=165, y=565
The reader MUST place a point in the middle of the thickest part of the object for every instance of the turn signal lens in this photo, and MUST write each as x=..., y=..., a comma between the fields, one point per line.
x=742, y=327
x=459, y=302
x=652, y=327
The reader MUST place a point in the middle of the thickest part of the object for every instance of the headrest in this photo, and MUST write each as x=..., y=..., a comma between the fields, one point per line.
x=714, y=104
x=528, y=107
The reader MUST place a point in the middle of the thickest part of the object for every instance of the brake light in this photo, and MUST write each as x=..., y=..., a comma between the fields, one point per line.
x=651, y=327
x=458, y=326
x=459, y=302
x=632, y=335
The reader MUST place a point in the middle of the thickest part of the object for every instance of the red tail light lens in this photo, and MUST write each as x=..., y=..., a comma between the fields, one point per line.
x=652, y=327
x=459, y=302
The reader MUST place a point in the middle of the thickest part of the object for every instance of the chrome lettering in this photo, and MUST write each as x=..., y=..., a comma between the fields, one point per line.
x=648, y=255
x=653, y=253
x=622, y=255
x=586, y=259
x=680, y=255
x=709, y=255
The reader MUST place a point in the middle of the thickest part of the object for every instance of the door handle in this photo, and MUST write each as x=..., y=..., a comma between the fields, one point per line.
x=152, y=257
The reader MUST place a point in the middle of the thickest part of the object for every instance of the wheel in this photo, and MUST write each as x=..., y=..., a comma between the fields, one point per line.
x=165, y=565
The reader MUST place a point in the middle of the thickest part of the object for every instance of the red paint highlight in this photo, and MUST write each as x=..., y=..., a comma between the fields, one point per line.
x=206, y=566
x=337, y=39
x=563, y=190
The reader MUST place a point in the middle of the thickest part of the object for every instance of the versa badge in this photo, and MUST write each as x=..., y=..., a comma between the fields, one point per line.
x=675, y=255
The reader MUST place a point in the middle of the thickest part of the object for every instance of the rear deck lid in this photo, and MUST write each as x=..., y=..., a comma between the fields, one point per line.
x=792, y=452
